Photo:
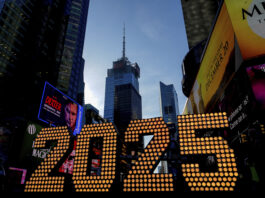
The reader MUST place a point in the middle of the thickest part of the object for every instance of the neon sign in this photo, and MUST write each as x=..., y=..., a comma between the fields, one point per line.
x=141, y=177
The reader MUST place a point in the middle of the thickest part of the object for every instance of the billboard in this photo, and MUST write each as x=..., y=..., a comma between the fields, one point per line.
x=248, y=19
x=237, y=101
x=256, y=76
x=217, y=59
x=57, y=109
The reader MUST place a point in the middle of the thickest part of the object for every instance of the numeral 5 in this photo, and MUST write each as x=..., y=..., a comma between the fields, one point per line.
x=226, y=176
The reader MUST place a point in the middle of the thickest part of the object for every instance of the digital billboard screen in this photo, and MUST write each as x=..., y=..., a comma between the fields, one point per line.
x=57, y=109
x=247, y=18
x=256, y=76
x=216, y=64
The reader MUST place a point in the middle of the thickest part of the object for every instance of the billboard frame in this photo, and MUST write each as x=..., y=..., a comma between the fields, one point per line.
x=80, y=108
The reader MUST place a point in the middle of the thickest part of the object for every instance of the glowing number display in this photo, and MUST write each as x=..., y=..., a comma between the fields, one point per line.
x=226, y=176
x=102, y=183
x=140, y=178
x=41, y=181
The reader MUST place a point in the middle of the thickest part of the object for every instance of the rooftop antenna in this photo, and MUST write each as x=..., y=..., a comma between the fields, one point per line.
x=123, y=50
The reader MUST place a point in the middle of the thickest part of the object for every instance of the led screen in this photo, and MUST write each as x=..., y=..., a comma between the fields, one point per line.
x=57, y=109
x=257, y=78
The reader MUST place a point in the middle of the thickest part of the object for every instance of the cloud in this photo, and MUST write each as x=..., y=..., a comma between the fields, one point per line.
x=92, y=97
x=151, y=26
x=95, y=85
x=152, y=30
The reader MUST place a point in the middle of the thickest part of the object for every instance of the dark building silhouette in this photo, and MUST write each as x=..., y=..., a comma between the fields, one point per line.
x=198, y=17
x=40, y=40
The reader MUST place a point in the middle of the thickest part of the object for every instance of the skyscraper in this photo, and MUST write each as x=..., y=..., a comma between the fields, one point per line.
x=169, y=110
x=40, y=40
x=70, y=78
x=122, y=98
x=169, y=103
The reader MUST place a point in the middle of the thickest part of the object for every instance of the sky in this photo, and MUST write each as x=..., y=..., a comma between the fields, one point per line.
x=155, y=39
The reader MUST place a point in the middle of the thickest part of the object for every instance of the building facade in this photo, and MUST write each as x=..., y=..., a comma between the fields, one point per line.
x=70, y=78
x=169, y=110
x=122, y=98
x=36, y=38
x=198, y=18
x=41, y=41
x=169, y=103
x=123, y=101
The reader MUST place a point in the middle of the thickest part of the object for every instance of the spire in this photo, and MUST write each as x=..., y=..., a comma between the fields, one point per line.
x=123, y=49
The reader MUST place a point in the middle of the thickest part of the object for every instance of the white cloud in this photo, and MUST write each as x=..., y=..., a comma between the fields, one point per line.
x=91, y=97
x=95, y=86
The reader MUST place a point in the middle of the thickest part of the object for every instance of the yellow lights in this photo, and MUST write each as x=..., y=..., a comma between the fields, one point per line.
x=140, y=177
x=102, y=183
x=226, y=177
x=40, y=180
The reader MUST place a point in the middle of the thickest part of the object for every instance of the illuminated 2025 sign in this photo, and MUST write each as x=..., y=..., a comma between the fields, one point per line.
x=141, y=177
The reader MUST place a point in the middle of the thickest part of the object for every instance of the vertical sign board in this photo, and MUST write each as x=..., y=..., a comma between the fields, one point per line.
x=248, y=19
x=215, y=60
x=58, y=109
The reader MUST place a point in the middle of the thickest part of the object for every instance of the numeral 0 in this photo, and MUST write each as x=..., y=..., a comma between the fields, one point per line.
x=102, y=183
x=141, y=177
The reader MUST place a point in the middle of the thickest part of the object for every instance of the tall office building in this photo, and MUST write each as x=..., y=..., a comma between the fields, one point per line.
x=169, y=103
x=70, y=78
x=1, y=4
x=40, y=40
x=169, y=110
x=122, y=98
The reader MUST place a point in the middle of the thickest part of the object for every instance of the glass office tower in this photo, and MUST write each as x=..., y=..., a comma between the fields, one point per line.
x=70, y=78
x=123, y=102
x=169, y=103
x=122, y=98
x=40, y=40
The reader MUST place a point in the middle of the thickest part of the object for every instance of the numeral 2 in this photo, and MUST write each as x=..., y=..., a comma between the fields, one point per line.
x=140, y=178
x=40, y=180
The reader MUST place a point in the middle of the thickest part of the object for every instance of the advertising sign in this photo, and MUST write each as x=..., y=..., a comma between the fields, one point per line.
x=57, y=109
x=237, y=101
x=248, y=19
x=215, y=61
x=256, y=76
x=32, y=130
x=68, y=165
